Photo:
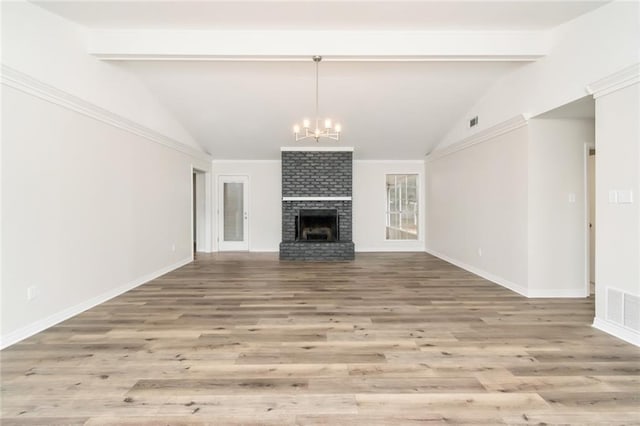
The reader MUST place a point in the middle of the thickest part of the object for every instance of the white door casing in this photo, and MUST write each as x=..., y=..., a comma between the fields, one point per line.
x=591, y=179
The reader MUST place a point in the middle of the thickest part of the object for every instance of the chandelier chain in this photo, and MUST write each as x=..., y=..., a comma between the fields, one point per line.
x=317, y=61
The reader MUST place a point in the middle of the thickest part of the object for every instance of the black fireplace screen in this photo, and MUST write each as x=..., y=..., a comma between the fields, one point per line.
x=317, y=225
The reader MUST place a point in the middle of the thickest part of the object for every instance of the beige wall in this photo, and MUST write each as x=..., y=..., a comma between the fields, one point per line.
x=477, y=208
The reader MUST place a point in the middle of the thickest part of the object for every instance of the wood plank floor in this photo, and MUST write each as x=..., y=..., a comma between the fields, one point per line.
x=388, y=339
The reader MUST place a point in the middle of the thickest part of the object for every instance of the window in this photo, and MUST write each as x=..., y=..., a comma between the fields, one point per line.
x=402, y=207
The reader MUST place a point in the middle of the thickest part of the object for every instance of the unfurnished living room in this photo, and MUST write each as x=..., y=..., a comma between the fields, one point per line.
x=316, y=212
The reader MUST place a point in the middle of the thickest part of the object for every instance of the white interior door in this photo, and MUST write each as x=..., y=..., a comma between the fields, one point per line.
x=233, y=213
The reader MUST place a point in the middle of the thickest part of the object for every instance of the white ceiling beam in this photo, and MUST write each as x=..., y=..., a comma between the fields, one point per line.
x=332, y=45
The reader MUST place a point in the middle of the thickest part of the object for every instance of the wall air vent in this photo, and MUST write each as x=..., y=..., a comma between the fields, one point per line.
x=614, y=305
x=623, y=309
x=473, y=122
x=632, y=312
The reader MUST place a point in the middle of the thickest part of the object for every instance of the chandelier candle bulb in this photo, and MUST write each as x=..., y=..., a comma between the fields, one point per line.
x=306, y=123
x=338, y=128
x=327, y=124
x=296, y=129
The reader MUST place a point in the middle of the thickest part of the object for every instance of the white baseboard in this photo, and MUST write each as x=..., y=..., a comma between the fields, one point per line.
x=44, y=323
x=389, y=250
x=556, y=293
x=482, y=273
x=616, y=330
x=251, y=250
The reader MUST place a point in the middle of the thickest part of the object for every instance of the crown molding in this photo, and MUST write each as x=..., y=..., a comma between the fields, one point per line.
x=389, y=161
x=32, y=86
x=509, y=125
x=214, y=162
x=616, y=81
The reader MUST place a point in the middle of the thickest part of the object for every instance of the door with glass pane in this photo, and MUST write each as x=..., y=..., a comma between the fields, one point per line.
x=233, y=213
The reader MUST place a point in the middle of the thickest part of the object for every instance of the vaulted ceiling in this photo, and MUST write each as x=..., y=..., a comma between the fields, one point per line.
x=396, y=74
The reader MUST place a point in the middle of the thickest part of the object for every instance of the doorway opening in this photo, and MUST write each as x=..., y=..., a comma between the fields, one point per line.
x=199, y=224
x=194, y=197
x=563, y=144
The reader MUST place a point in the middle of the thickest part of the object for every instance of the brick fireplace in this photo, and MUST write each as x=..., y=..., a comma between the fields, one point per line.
x=316, y=204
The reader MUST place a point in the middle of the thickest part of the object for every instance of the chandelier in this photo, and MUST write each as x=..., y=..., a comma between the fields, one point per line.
x=328, y=131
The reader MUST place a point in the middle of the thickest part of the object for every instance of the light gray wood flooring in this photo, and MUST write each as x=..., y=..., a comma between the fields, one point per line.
x=388, y=339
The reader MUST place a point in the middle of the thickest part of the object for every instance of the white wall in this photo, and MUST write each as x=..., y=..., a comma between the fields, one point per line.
x=617, y=224
x=53, y=51
x=88, y=211
x=265, y=200
x=507, y=197
x=96, y=176
x=369, y=198
x=369, y=205
x=477, y=208
x=598, y=51
x=586, y=49
x=557, y=209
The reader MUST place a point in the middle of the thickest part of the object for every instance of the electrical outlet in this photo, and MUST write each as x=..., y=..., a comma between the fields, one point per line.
x=480, y=252
x=173, y=247
x=32, y=293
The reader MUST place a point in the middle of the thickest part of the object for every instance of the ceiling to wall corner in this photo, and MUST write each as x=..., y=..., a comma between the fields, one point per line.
x=397, y=74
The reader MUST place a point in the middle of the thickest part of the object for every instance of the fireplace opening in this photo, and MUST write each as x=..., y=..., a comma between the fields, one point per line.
x=317, y=225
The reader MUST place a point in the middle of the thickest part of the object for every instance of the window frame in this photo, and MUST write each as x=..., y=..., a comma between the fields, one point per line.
x=388, y=211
